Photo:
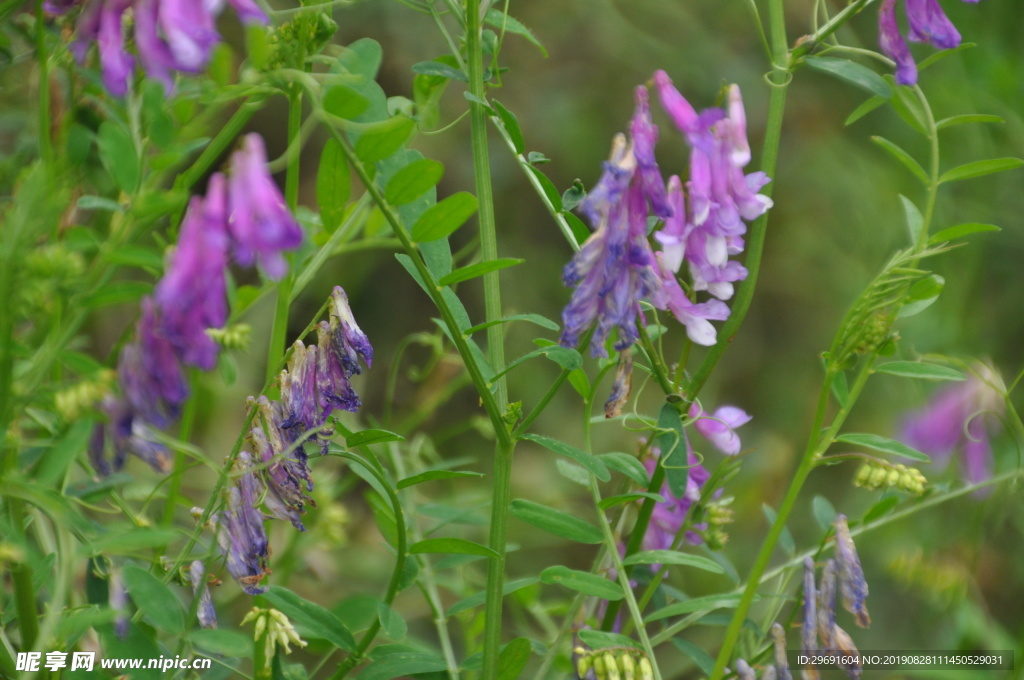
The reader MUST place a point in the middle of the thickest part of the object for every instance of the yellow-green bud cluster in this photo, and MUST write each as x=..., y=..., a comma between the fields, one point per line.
x=617, y=663
x=235, y=336
x=874, y=332
x=82, y=396
x=883, y=475
x=718, y=515
x=54, y=262
x=274, y=629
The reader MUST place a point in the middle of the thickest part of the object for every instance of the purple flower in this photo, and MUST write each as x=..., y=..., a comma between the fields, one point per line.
x=927, y=23
x=834, y=639
x=720, y=427
x=954, y=420
x=894, y=46
x=100, y=22
x=249, y=12
x=696, y=317
x=644, y=134
x=809, y=628
x=192, y=293
x=614, y=269
x=261, y=225
x=240, y=532
x=117, y=598
x=150, y=372
x=170, y=35
x=851, y=575
x=348, y=342
x=667, y=518
x=285, y=474
x=204, y=611
x=782, y=671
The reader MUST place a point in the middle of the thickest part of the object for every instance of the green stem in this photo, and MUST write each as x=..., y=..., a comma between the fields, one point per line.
x=815, y=447
x=808, y=43
x=279, y=329
x=401, y=551
x=219, y=144
x=502, y=475
x=623, y=577
x=482, y=173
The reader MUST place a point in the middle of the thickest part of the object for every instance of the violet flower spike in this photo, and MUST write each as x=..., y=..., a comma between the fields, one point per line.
x=261, y=225
x=204, y=612
x=192, y=295
x=894, y=46
x=851, y=576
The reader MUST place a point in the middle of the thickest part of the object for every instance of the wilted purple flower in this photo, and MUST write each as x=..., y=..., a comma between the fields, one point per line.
x=720, y=427
x=261, y=225
x=955, y=420
x=622, y=385
x=833, y=638
x=781, y=662
x=117, y=598
x=170, y=35
x=927, y=23
x=285, y=475
x=668, y=518
x=204, y=611
x=240, y=532
x=851, y=576
x=348, y=341
x=809, y=629
x=192, y=293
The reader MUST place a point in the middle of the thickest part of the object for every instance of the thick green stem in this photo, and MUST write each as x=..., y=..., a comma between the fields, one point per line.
x=502, y=475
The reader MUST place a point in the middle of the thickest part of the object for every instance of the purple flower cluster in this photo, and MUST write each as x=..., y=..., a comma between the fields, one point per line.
x=954, y=420
x=616, y=268
x=668, y=518
x=244, y=215
x=315, y=384
x=170, y=35
x=927, y=23
x=844, y=573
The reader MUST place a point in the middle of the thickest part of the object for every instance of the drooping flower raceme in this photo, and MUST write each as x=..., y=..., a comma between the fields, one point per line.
x=315, y=384
x=961, y=417
x=926, y=23
x=170, y=36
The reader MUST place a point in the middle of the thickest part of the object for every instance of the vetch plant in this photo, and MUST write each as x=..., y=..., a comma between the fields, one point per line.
x=209, y=214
